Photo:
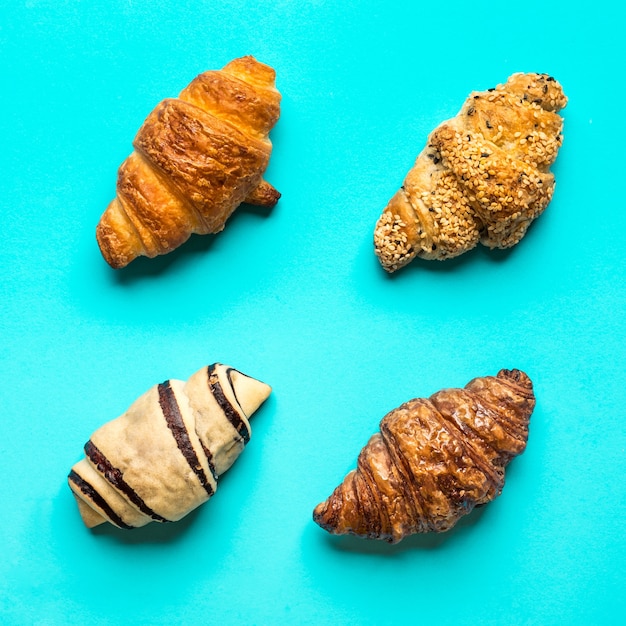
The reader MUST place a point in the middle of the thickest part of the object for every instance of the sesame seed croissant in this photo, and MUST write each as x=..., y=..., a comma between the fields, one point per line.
x=163, y=456
x=196, y=159
x=433, y=460
x=482, y=177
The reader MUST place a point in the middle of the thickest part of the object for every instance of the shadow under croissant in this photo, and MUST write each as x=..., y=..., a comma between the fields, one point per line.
x=425, y=541
x=143, y=267
x=157, y=532
x=493, y=255
x=449, y=266
x=151, y=533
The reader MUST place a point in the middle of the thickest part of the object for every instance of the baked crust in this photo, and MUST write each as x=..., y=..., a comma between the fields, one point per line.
x=163, y=456
x=482, y=177
x=196, y=159
x=433, y=460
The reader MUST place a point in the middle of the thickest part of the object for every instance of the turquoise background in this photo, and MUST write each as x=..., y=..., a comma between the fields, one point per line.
x=295, y=296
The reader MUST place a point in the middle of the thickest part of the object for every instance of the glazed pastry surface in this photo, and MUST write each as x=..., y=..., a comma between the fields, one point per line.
x=433, y=460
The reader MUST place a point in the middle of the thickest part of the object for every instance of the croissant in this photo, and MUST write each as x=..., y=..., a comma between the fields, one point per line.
x=482, y=177
x=196, y=159
x=433, y=460
x=163, y=456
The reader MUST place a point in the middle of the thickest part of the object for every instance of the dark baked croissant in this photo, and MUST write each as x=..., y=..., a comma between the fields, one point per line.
x=163, y=456
x=196, y=159
x=482, y=177
x=433, y=460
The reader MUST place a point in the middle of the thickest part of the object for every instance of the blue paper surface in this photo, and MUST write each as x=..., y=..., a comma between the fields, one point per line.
x=295, y=296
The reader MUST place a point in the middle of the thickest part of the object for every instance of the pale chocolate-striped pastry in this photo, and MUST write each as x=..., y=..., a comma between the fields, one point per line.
x=482, y=177
x=162, y=457
x=433, y=460
x=196, y=159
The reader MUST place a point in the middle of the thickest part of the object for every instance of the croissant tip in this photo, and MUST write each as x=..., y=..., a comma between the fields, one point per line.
x=108, y=240
x=90, y=517
x=271, y=198
x=251, y=393
x=321, y=517
x=317, y=512
x=516, y=376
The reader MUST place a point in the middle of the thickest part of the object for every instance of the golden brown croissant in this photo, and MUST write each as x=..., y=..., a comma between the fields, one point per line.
x=196, y=159
x=433, y=460
x=482, y=177
x=163, y=456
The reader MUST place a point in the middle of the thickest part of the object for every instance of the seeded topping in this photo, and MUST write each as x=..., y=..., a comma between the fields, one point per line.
x=521, y=127
x=457, y=229
x=539, y=89
x=391, y=242
x=503, y=192
x=483, y=176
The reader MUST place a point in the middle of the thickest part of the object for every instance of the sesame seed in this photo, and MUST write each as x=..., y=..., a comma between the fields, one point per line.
x=468, y=187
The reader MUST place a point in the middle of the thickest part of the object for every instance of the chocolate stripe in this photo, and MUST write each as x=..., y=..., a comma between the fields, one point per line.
x=228, y=409
x=209, y=458
x=116, y=478
x=97, y=499
x=229, y=375
x=175, y=423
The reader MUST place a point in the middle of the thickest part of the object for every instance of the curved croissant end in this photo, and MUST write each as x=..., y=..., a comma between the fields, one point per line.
x=482, y=177
x=162, y=458
x=196, y=159
x=433, y=460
